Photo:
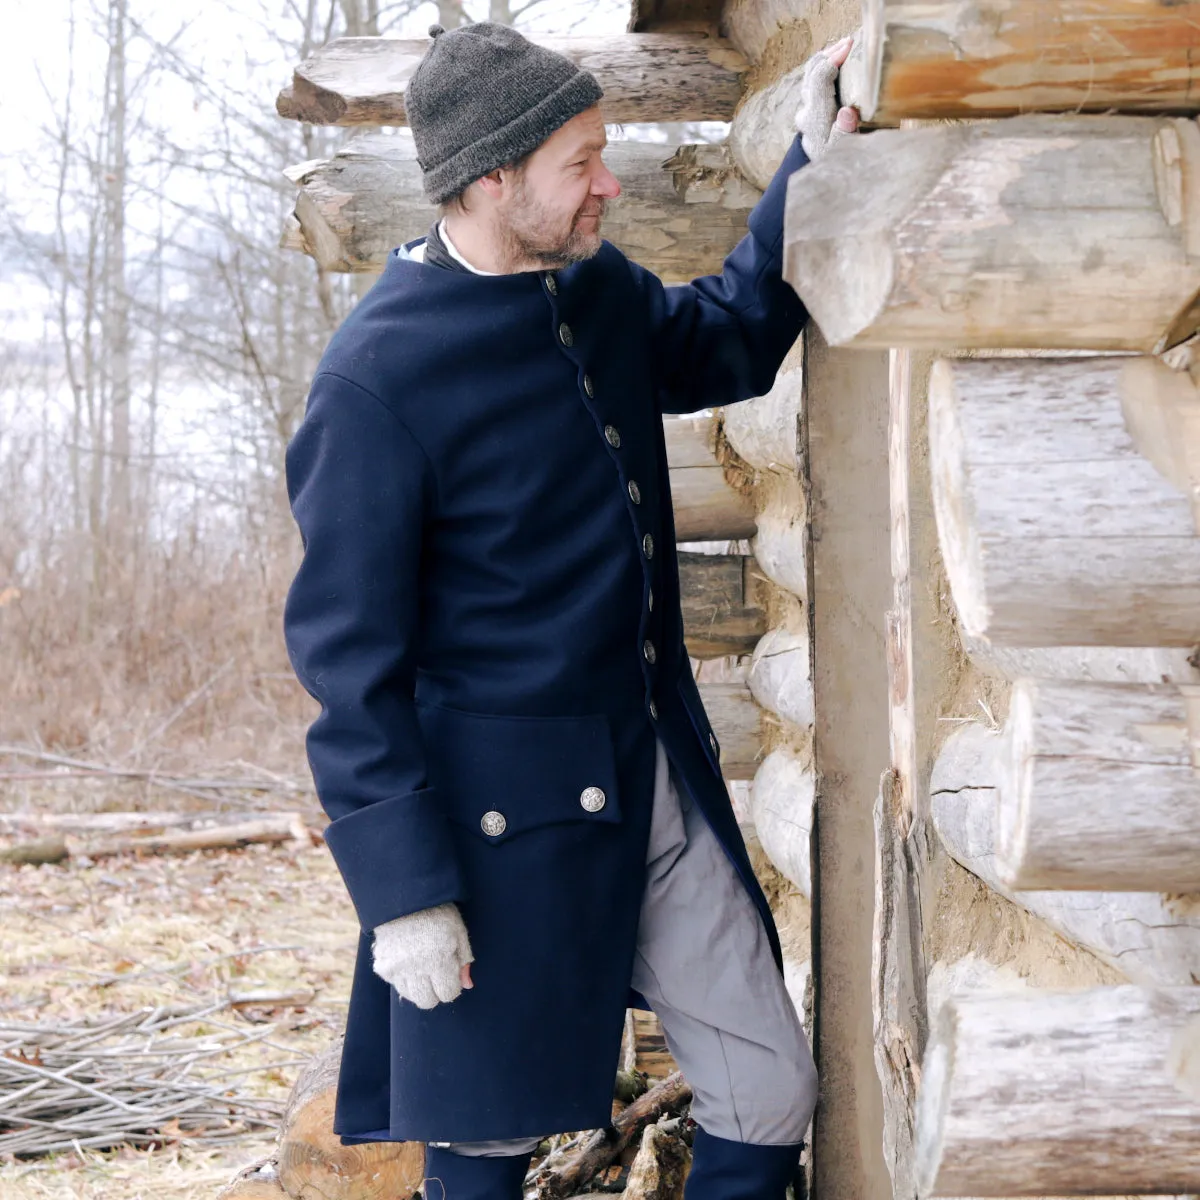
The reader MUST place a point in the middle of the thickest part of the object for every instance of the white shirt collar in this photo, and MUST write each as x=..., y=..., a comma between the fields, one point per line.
x=454, y=254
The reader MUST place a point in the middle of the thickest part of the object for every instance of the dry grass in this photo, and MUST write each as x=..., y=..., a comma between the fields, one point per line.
x=85, y=941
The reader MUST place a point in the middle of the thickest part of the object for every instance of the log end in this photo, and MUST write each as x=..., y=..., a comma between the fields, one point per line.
x=937, y=1072
x=952, y=502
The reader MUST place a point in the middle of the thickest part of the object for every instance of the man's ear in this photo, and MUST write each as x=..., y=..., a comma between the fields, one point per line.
x=493, y=184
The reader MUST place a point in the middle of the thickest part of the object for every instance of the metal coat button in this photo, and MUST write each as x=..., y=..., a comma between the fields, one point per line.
x=593, y=799
x=552, y=285
x=565, y=335
x=649, y=651
x=635, y=492
x=648, y=545
x=650, y=600
x=493, y=824
x=589, y=387
x=653, y=711
x=613, y=434
x=712, y=741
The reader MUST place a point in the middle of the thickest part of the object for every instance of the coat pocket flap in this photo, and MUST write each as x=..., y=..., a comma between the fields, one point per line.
x=502, y=776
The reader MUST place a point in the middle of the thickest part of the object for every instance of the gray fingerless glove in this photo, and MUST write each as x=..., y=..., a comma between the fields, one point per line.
x=422, y=955
x=816, y=118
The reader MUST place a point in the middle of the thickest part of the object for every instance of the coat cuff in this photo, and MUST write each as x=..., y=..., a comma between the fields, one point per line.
x=766, y=221
x=396, y=857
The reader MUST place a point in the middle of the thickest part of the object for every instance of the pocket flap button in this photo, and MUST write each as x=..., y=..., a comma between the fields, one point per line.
x=593, y=799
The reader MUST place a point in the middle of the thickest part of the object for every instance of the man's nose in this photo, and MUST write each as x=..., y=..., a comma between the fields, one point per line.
x=606, y=184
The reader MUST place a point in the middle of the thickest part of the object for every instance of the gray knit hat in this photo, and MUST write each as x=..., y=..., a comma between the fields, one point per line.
x=484, y=96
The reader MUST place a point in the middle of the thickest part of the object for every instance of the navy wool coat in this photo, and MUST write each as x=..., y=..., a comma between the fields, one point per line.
x=488, y=612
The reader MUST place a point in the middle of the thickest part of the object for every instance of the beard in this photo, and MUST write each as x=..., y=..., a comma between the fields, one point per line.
x=534, y=232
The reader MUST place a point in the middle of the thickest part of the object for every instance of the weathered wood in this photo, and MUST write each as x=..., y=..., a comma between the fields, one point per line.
x=645, y=77
x=256, y=1182
x=723, y=611
x=680, y=213
x=782, y=801
x=605, y=1146
x=673, y=14
x=781, y=675
x=707, y=507
x=1150, y=938
x=738, y=724
x=1099, y=664
x=1066, y=1093
x=660, y=1167
x=766, y=431
x=1100, y=792
x=781, y=543
x=751, y=24
x=311, y=1160
x=954, y=58
x=764, y=128
x=1042, y=232
x=1054, y=528
x=846, y=403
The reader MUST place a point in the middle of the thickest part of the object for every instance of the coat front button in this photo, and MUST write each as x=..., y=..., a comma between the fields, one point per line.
x=593, y=799
x=565, y=335
x=589, y=387
x=494, y=824
x=551, y=285
x=650, y=601
x=712, y=741
x=648, y=545
x=653, y=711
x=649, y=651
x=613, y=435
x=635, y=492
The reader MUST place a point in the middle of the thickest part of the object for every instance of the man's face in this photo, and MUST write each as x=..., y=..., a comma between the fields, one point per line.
x=555, y=205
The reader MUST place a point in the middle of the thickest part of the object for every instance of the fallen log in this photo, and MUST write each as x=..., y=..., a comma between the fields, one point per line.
x=707, y=507
x=680, y=213
x=1037, y=232
x=606, y=1145
x=955, y=58
x=660, y=1168
x=723, y=611
x=1068, y=1094
x=311, y=1160
x=283, y=827
x=1054, y=528
x=645, y=77
x=1150, y=938
x=1100, y=791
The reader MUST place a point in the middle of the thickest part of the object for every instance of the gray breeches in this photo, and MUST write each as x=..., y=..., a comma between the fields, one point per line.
x=704, y=963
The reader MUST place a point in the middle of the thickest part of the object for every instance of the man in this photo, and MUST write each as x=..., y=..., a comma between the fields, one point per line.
x=525, y=792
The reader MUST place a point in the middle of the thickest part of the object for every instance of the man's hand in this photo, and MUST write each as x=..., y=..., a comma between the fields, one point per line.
x=425, y=956
x=819, y=121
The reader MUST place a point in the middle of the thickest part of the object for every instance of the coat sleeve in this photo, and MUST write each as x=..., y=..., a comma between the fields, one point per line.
x=361, y=490
x=722, y=338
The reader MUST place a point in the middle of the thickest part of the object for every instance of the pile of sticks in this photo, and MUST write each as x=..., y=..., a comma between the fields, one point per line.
x=138, y=1078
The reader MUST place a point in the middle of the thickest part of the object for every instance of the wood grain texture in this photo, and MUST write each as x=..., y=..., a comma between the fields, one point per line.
x=1063, y=1093
x=954, y=58
x=1099, y=792
x=707, y=506
x=1055, y=530
x=680, y=213
x=738, y=723
x=782, y=802
x=1037, y=232
x=645, y=77
x=723, y=604
x=311, y=1160
x=1150, y=938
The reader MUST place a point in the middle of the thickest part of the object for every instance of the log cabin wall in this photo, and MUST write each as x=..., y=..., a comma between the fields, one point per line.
x=859, y=667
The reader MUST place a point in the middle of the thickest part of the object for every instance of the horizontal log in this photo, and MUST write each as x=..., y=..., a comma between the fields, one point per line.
x=723, y=611
x=680, y=213
x=764, y=128
x=645, y=77
x=1100, y=791
x=751, y=24
x=739, y=725
x=1038, y=232
x=707, y=507
x=782, y=802
x=1150, y=938
x=766, y=431
x=958, y=58
x=1055, y=530
x=1097, y=664
x=781, y=675
x=1061, y=1093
